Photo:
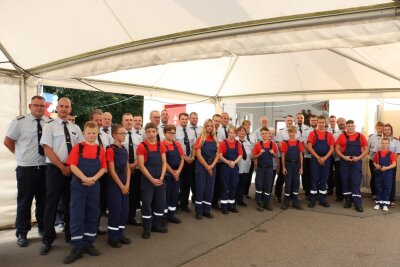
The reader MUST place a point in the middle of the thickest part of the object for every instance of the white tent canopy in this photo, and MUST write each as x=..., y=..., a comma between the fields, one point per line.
x=217, y=51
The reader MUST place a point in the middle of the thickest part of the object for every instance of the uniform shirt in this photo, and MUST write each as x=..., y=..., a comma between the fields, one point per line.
x=106, y=137
x=305, y=131
x=88, y=152
x=180, y=135
x=170, y=147
x=141, y=150
x=244, y=165
x=333, y=130
x=23, y=131
x=321, y=136
x=266, y=146
x=393, y=157
x=136, y=141
x=336, y=136
x=342, y=140
x=304, y=138
x=394, y=146
x=373, y=139
x=257, y=134
x=284, y=147
x=221, y=133
x=160, y=129
x=54, y=137
x=283, y=135
x=222, y=147
x=197, y=145
x=197, y=129
x=138, y=135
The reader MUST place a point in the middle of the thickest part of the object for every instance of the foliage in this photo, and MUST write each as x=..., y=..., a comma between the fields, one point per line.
x=83, y=102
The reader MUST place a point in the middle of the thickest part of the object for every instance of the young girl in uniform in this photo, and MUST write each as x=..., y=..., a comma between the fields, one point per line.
x=174, y=155
x=230, y=153
x=118, y=188
x=207, y=157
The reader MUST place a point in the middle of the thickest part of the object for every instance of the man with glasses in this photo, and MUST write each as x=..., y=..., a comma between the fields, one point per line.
x=22, y=139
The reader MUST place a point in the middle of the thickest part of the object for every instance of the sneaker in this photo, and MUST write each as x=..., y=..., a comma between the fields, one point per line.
x=114, y=243
x=22, y=241
x=377, y=207
x=91, y=250
x=385, y=208
x=76, y=253
x=175, y=220
x=125, y=241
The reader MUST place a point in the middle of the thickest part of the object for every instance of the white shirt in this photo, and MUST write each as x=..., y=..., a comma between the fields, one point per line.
x=221, y=133
x=54, y=137
x=244, y=165
x=394, y=146
x=373, y=139
x=180, y=135
x=197, y=130
x=106, y=137
x=23, y=131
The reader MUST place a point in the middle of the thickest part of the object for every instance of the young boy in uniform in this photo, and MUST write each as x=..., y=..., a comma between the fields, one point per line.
x=320, y=144
x=265, y=152
x=175, y=161
x=88, y=163
x=230, y=153
x=292, y=167
x=351, y=147
x=384, y=162
x=152, y=162
x=118, y=188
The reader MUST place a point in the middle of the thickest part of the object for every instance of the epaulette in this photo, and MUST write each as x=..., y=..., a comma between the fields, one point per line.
x=395, y=138
x=51, y=120
x=20, y=117
x=281, y=129
x=370, y=135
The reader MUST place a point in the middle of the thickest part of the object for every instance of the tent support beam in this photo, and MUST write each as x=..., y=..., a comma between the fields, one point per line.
x=228, y=72
x=361, y=62
x=9, y=57
x=22, y=96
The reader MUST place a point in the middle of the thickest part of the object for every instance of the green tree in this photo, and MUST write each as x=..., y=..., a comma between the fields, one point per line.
x=83, y=102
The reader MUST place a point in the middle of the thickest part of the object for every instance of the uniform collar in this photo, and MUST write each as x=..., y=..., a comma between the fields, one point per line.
x=60, y=121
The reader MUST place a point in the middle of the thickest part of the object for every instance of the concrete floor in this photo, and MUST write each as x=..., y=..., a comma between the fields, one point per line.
x=313, y=237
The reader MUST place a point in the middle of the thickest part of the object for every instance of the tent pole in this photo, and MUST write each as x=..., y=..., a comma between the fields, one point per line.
x=377, y=69
x=22, y=96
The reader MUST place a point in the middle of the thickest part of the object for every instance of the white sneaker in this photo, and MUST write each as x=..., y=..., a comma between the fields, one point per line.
x=385, y=208
x=376, y=207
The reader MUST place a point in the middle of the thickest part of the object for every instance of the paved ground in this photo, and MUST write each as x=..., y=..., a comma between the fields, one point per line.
x=313, y=237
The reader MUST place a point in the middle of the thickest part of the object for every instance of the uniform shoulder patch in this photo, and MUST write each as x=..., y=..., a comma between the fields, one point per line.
x=20, y=117
x=281, y=129
x=50, y=120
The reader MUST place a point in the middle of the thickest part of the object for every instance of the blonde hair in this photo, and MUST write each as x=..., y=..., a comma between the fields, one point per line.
x=204, y=133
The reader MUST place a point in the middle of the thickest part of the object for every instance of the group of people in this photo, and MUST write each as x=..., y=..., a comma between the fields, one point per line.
x=117, y=169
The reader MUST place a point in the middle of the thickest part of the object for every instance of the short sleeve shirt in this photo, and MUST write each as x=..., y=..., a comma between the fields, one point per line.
x=141, y=150
x=88, y=152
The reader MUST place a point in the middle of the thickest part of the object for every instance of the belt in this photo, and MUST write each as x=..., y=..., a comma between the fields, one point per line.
x=33, y=167
x=292, y=161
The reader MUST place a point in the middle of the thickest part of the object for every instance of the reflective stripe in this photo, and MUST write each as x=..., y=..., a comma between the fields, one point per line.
x=198, y=202
x=355, y=195
x=323, y=192
x=346, y=193
x=113, y=228
x=231, y=201
x=158, y=214
x=76, y=237
x=260, y=192
x=207, y=203
x=295, y=193
x=224, y=201
x=386, y=202
x=146, y=217
x=287, y=195
x=122, y=226
x=267, y=194
x=313, y=192
x=166, y=210
x=90, y=234
x=171, y=208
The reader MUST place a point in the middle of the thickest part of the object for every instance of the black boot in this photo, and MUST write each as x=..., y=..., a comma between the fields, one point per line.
x=285, y=204
x=164, y=220
x=347, y=203
x=76, y=253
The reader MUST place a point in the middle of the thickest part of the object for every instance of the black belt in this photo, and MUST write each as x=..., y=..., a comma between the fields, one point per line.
x=292, y=161
x=33, y=167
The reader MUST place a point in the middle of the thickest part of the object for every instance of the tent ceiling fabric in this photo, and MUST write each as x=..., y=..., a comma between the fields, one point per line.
x=244, y=55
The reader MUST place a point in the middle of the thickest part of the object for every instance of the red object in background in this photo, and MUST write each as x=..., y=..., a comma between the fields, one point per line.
x=46, y=113
x=173, y=111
